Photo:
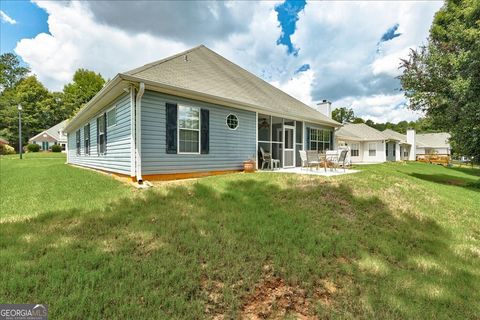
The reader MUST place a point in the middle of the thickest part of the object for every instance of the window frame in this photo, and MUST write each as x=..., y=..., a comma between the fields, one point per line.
x=357, y=149
x=320, y=139
x=100, y=153
x=236, y=117
x=188, y=129
x=78, y=142
x=370, y=149
x=86, y=140
x=112, y=109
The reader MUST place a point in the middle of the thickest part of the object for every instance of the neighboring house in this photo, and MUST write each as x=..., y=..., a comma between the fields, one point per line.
x=192, y=114
x=3, y=142
x=432, y=143
x=367, y=144
x=55, y=135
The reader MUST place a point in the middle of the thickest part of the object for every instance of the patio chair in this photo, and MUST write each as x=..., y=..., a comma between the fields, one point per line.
x=267, y=160
x=313, y=159
x=303, y=159
x=340, y=160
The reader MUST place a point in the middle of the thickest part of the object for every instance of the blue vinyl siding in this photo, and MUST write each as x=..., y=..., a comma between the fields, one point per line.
x=117, y=157
x=228, y=148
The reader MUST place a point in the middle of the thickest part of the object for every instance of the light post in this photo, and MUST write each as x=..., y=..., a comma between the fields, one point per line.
x=19, y=107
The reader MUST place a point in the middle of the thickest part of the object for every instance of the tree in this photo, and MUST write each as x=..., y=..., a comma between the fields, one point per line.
x=343, y=115
x=10, y=71
x=31, y=94
x=84, y=87
x=358, y=120
x=442, y=78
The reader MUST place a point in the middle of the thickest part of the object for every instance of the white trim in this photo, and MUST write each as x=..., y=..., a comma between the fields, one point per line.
x=226, y=121
x=198, y=130
x=138, y=131
x=256, y=139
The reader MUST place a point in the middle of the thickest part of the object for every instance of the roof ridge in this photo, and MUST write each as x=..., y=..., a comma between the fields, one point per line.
x=157, y=62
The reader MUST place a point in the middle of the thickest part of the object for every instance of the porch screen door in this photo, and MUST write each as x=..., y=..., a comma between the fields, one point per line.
x=289, y=147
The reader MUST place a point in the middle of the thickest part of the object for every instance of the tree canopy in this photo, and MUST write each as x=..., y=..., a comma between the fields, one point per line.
x=442, y=79
x=11, y=72
x=42, y=108
x=343, y=115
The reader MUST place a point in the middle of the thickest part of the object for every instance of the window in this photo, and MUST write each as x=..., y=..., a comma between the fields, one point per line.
x=188, y=129
x=319, y=139
x=78, y=141
x=394, y=151
x=101, y=135
x=112, y=117
x=86, y=138
x=232, y=122
x=372, y=149
x=355, y=150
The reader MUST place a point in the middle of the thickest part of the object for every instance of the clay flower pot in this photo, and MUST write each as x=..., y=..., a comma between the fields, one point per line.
x=249, y=166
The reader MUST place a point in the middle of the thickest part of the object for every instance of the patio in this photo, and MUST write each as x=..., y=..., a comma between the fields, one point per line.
x=313, y=171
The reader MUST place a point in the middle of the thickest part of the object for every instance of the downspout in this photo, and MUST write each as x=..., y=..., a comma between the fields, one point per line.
x=138, y=132
x=133, y=167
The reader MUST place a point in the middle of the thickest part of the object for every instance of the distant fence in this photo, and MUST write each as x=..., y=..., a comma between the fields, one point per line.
x=443, y=159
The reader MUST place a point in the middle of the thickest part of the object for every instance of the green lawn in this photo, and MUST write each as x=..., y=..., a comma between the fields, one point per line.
x=393, y=241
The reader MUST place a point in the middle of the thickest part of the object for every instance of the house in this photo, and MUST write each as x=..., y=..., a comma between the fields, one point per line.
x=55, y=135
x=3, y=142
x=369, y=145
x=192, y=114
x=432, y=144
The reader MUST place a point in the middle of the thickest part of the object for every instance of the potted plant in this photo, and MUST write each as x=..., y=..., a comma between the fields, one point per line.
x=249, y=165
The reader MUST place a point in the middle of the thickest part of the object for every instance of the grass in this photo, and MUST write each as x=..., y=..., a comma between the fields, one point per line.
x=393, y=241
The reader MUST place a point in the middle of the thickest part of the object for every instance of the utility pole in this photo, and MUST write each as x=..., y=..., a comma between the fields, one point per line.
x=19, y=107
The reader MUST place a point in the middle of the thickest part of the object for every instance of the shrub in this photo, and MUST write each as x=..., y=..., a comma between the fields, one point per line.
x=32, y=147
x=6, y=149
x=56, y=148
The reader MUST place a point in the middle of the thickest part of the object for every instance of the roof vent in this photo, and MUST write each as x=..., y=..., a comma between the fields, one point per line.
x=186, y=58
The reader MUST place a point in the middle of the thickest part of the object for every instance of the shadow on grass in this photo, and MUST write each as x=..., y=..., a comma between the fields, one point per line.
x=467, y=170
x=451, y=180
x=166, y=252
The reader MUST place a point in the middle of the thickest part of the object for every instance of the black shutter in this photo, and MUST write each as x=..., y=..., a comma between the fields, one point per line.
x=205, y=136
x=332, y=147
x=308, y=139
x=98, y=137
x=105, y=133
x=171, y=128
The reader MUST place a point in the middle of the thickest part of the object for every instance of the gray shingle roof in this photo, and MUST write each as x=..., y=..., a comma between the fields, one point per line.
x=202, y=70
x=360, y=131
x=394, y=135
x=433, y=140
x=54, y=132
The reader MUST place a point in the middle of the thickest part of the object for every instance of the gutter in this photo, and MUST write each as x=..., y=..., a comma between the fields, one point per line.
x=195, y=95
x=138, y=132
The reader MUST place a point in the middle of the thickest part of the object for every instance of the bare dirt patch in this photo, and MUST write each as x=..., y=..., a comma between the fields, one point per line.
x=273, y=298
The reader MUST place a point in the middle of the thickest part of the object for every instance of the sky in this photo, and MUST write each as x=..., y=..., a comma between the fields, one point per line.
x=347, y=52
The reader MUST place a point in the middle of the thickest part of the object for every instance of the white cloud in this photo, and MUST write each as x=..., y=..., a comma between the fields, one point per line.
x=380, y=108
x=299, y=86
x=337, y=39
x=77, y=41
x=7, y=19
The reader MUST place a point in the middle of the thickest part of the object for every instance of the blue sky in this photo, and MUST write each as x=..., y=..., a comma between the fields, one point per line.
x=30, y=20
x=346, y=52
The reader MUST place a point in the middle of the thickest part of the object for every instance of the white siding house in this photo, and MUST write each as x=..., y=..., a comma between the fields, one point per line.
x=54, y=135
